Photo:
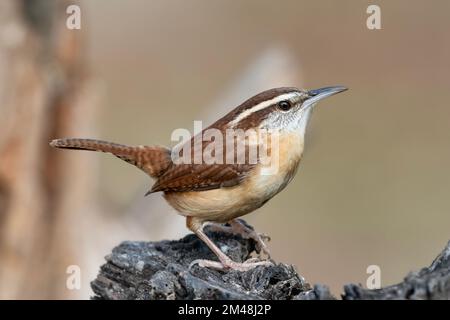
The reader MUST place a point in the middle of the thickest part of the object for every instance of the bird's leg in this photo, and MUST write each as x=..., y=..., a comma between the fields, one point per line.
x=196, y=226
x=237, y=227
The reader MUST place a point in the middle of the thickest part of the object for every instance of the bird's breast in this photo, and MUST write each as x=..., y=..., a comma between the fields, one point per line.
x=267, y=180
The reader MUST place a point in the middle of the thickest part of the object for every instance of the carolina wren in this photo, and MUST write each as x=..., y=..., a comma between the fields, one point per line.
x=218, y=193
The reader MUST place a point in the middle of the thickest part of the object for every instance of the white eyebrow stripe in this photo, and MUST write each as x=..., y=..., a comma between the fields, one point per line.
x=261, y=106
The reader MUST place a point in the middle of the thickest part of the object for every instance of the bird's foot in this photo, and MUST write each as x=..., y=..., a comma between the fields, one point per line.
x=230, y=264
x=237, y=227
x=260, y=239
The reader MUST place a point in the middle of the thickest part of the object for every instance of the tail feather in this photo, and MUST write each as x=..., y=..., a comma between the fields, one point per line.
x=152, y=160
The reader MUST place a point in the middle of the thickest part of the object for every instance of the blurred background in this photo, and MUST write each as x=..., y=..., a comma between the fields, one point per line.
x=373, y=187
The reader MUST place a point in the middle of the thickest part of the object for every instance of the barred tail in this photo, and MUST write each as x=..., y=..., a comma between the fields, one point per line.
x=152, y=160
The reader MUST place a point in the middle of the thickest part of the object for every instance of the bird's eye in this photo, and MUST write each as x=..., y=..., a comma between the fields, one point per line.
x=284, y=105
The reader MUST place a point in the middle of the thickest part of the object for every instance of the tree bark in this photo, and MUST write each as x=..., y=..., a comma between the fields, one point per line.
x=160, y=270
x=430, y=283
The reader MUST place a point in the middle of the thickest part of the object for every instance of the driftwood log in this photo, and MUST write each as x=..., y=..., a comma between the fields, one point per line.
x=160, y=270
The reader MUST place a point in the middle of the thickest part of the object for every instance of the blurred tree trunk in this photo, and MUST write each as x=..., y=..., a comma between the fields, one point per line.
x=44, y=91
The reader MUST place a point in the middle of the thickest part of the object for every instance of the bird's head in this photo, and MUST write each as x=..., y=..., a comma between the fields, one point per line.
x=283, y=109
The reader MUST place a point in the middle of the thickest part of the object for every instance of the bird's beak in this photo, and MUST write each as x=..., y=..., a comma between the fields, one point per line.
x=322, y=93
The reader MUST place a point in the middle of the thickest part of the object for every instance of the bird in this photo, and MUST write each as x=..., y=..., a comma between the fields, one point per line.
x=217, y=193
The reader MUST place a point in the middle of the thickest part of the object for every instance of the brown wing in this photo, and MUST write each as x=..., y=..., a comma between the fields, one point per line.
x=200, y=177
